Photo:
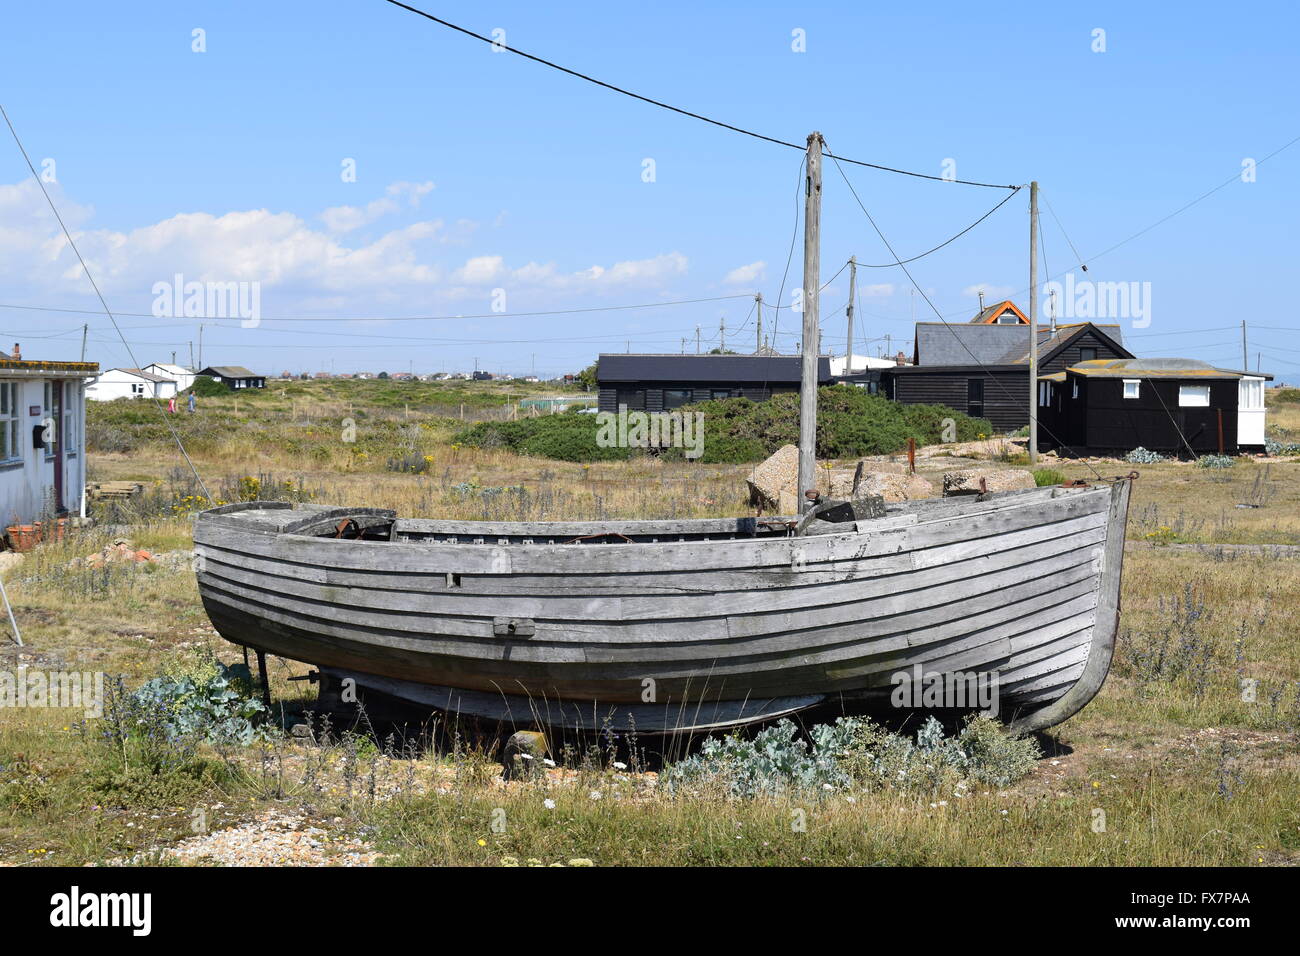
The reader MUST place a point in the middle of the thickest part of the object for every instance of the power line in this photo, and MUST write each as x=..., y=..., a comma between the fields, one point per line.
x=1081, y=262
x=107, y=311
x=958, y=338
x=891, y=265
x=399, y=318
x=498, y=45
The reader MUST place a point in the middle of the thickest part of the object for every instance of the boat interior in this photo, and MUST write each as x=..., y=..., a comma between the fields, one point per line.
x=375, y=524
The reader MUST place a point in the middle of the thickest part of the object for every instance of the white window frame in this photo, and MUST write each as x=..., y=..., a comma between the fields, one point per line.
x=1245, y=388
x=47, y=411
x=1137, y=387
x=71, y=402
x=11, y=449
x=1189, y=396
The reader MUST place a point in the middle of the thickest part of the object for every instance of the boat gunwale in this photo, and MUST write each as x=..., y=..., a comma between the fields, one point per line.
x=226, y=517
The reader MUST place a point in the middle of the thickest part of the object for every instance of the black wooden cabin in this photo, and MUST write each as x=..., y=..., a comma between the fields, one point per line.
x=654, y=383
x=983, y=369
x=1172, y=406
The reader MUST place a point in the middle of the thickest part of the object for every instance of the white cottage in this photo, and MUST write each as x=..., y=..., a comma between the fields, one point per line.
x=42, y=437
x=130, y=383
x=182, y=376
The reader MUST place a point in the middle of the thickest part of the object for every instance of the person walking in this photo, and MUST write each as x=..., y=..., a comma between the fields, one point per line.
x=191, y=406
x=171, y=404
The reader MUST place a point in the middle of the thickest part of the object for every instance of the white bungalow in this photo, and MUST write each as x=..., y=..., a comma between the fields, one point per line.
x=183, y=377
x=42, y=437
x=130, y=383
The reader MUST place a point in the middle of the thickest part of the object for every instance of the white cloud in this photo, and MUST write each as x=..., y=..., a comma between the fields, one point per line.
x=413, y=192
x=746, y=275
x=630, y=273
x=303, y=265
x=481, y=269
x=346, y=218
x=341, y=219
x=878, y=290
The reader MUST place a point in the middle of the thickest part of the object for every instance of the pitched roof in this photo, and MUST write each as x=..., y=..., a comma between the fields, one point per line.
x=989, y=314
x=1065, y=334
x=147, y=376
x=939, y=343
x=624, y=367
x=229, y=371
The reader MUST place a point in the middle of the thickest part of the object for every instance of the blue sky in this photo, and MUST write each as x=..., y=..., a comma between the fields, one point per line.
x=479, y=171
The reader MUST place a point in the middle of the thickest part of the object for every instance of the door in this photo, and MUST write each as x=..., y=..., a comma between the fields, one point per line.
x=56, y=417
x=975, y=397
x=1250, y=411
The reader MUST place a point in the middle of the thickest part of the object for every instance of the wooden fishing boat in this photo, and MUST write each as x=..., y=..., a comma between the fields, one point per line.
x=666, y=626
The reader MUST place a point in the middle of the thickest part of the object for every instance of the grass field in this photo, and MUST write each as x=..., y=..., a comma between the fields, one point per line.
x=1172, y=764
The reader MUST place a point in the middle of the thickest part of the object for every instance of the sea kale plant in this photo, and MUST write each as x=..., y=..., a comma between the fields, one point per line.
x=1215, y=461
x=209, y=702
x=853, y=754
x=1143, y=456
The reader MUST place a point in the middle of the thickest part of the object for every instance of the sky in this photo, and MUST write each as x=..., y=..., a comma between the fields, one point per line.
x=390, y=195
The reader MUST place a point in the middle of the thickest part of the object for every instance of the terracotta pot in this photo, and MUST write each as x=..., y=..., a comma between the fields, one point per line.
x=26, y=538
x=60, y=529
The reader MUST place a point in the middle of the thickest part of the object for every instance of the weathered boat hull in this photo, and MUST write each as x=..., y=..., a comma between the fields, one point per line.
x=682, y=625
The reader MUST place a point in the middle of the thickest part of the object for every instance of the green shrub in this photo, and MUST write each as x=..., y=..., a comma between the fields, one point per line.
x=850, y=423
x=1048, y=476
x=1143, y=456
x=1215, y=461
x=204, y=386
x=851, y=755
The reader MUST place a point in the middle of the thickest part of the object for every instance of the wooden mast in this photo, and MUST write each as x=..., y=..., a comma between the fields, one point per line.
x=811, y=286
x=1033, y=323
x=848, y=313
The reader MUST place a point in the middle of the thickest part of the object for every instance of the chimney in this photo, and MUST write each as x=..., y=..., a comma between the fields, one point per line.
x=981, y=294
x=18, y=353
x=900, y=359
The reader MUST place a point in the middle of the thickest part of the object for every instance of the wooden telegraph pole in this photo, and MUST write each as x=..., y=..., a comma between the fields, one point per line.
x=1033, y=323
x=848, y=311
x=811, y=284
x=758, y=332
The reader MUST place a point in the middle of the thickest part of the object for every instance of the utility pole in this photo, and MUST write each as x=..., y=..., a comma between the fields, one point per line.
x=1033, y=323
x=1245, y=356
x=722, y=336
x=812, y=222
x=192, y=356
x=200, y=347
x=697, y=340
x=683, y=345
x=853, y=291
x=84, y=330
x=758, y=333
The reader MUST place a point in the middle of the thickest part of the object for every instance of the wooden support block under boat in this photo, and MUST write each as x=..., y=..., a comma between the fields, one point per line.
x=732, y=620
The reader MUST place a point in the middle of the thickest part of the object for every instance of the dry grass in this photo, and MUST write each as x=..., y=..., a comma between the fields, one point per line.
x=1186, y=771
